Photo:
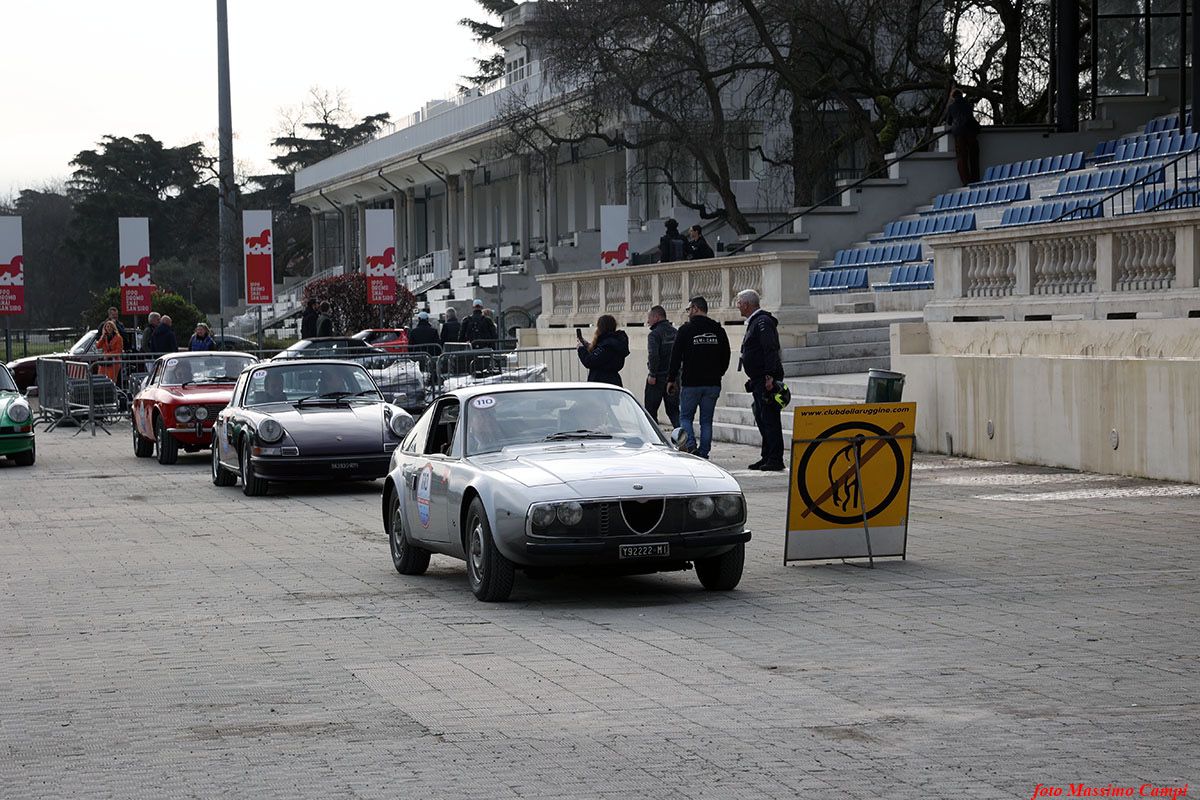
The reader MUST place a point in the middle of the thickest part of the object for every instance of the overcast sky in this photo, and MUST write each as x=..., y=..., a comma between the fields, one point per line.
x=75, y=70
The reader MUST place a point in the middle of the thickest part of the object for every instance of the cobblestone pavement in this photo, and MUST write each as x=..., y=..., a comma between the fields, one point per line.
x=164, y=638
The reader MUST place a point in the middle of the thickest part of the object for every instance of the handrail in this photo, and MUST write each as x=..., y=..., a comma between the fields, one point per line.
x=1157, y=175
x=887, y=165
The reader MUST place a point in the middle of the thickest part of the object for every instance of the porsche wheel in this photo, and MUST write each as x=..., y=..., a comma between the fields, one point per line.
x=406, y=557
x=220, y=475
x=252, y=485
x=165, y=445
x=27, y=458
x=142, y=447
x=722, y=573
x=489, y=572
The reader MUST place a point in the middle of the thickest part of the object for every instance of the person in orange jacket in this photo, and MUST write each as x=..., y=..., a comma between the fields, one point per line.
x=111, y=345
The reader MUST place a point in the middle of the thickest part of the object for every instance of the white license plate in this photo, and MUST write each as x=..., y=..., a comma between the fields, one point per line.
x=644, y=550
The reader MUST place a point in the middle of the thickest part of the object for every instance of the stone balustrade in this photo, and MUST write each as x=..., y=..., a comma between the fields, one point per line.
x=576, y=299
x=1135, y=265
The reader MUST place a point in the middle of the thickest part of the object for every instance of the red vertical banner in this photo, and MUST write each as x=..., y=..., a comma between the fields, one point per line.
x=260, y=258
x=379, y=260
x=12, y=267
x=134, y=248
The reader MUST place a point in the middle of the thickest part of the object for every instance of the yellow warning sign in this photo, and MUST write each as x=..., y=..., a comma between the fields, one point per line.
x=851, y=471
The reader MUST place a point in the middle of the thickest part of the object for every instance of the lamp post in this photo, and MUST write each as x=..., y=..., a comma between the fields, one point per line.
x=226, y=234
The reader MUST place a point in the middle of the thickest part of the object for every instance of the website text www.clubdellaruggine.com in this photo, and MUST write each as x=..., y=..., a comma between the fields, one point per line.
x=842, y=411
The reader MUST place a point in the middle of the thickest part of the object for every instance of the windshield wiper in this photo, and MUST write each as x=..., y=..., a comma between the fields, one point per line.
x=582, y=433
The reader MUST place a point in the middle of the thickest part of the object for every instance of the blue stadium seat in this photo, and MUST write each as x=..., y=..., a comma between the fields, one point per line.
x=1049, y=212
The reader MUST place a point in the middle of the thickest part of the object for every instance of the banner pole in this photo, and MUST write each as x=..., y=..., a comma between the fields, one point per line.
x=7, y=342
x=260, y=329
x=862, y=498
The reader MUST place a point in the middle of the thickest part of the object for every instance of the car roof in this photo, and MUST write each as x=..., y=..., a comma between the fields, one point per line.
x=468, y=392
x=304, y=363
x=205, y=353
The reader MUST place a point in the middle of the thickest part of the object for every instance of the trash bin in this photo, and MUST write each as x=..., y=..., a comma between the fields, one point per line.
x=884, y=386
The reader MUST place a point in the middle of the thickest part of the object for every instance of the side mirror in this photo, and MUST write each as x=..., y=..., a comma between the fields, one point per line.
x=678, y=438
x=142, y=385
x=400, y=399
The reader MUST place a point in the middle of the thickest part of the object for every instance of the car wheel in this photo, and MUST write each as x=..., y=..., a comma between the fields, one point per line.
x=252, y=485
x=722, y=573
x=165, y=444
x=406, y=557
x=142, y=447
x=27, y=458
x=490, y=573
x=220, y=475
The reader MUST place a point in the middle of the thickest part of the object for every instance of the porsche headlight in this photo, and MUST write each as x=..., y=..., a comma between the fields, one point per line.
x=701, y=507
x=18, y=413
x=270, y=431
x=570, y=513
x=201, y=413
x=729, y=506
x=400, y=424
x=183, y=414
x=544, y=515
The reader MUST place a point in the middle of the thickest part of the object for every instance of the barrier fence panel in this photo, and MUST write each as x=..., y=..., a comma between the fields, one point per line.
x=53, y=403
x=458, y=369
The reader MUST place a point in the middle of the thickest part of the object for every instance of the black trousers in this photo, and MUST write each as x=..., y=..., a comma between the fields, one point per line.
x=767, y=418
x=966, y=156
x=656, y=395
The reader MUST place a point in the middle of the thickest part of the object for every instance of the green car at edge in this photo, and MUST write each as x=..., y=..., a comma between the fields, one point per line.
x=16, y=422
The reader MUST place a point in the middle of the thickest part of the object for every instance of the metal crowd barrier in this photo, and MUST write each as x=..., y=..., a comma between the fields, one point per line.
x=53, y=403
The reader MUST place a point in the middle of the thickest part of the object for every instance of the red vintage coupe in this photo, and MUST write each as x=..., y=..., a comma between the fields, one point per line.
x=179, y=400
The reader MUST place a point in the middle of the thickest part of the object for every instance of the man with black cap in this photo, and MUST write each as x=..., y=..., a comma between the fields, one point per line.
x=423, y=338
x=308, y=322
x=478, y=328
x=671, y=244
x=701, y=352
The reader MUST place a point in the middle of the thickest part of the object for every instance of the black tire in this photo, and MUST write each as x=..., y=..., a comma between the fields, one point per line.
x=722, y=573
x=165, y=445
x=27, y=458
x=220, y=475
x=252, y=485
x=142, y=447
x=490, y=574
x=407, y=558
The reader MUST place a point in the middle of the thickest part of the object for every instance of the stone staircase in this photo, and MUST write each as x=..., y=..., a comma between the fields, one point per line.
x=830, y=370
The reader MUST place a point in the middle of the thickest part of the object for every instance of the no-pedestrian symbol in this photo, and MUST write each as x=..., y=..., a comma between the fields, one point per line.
x=851, y=468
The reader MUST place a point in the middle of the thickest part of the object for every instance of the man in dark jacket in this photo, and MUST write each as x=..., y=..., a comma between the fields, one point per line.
x=671, y=243
x=659, y=342
x=478, y=328
x=324, y=321
x=696, y=247
x=308, y=322
x=761, y=363
x=148, y=331
x=163, y=338
x=702, y=351
x=960, y=116
x=451, y=328
x=423, y=338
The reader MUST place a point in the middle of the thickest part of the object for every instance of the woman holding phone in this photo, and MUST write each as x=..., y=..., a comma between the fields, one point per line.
x=605, y=355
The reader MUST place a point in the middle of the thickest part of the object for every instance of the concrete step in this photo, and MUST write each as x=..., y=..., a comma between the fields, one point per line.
x=835, y=366
x=848, y=336
x=826, y=352
x=853, y=321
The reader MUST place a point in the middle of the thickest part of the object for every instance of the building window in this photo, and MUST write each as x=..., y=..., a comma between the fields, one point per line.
x=515, y=70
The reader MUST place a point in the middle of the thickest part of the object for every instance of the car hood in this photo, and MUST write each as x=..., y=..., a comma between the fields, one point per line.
x=332, y=429
x=605, y=470
x=201, y=395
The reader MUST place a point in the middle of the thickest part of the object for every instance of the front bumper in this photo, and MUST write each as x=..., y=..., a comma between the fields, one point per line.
x=321, y=468
x=556, y=551
x=11, y=443
x=198, y=433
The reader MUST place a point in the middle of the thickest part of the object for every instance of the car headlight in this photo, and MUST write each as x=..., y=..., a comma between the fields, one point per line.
x=400, y=424
x=570, y=513
x=270, y=431
x=18, y=413
x=544, y=515
x=183, y=414
x=701, y=507
x=729, y=506
x=201, y=413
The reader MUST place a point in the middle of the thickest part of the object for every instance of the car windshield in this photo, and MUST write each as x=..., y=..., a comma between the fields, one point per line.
x=505, y=419
x=311, y=384
x=326, y=348
x=190, y=370
x=6, y=380
x=84, y=344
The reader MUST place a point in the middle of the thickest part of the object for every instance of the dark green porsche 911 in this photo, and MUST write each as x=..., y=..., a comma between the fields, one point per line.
x=16, y=422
